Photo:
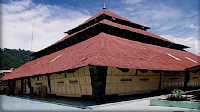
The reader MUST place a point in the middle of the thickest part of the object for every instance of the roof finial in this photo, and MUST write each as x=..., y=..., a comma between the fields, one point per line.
x=104, y=5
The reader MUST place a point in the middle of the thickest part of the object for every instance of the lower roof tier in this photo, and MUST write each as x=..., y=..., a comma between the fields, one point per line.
x=108, y=50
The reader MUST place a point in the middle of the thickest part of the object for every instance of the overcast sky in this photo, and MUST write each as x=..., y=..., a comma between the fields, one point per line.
x=176, y=20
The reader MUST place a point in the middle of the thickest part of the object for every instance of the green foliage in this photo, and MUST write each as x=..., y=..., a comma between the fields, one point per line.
x=13, y=58
x=177, y=92
x=176, y=95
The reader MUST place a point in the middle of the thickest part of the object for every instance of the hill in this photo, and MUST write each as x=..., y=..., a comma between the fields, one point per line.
x=13, y=58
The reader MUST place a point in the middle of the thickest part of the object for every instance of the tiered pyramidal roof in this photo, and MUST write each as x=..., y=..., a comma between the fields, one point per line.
x=107, y=39
x=110, y=23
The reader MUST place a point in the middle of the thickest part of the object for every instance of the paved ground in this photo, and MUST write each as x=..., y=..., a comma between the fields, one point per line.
x=138, y=105
x=9, y=103
x=130, y=103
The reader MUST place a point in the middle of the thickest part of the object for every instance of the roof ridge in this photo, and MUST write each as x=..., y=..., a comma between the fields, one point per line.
x=107, y=12
x=102, y=38
x=118, y=16
x=100, y=47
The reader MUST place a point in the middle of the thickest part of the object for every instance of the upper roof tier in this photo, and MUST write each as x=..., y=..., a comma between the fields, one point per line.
x=105, y=14
x=110, y=23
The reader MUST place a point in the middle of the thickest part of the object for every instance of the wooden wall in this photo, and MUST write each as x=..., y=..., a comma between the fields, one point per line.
x=74, y=84
x=117, y=82
x=18, y=84
x=65, y=84
x=3, y=85
x=172, y=80
x=194, y=79
x=121, y=83
x=38, y=83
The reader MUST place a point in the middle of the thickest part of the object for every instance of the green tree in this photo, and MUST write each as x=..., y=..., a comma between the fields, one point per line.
x=13, y=58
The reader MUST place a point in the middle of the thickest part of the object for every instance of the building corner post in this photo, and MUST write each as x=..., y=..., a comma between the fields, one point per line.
x=160, y=80
x=98, y=76
x=187, y=78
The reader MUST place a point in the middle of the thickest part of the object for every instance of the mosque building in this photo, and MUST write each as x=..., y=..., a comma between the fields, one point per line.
x=106, y=55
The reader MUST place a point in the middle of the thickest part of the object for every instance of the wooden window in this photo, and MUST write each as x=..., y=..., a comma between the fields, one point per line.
x=126, y=80
x=195, y=77
x=174, y=78
x=144, y=79
x=73, y=81
x=60, y=83
x=38, y=83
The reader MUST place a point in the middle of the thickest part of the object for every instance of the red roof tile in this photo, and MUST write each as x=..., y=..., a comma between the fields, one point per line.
x=108, y=50
x=133, y=29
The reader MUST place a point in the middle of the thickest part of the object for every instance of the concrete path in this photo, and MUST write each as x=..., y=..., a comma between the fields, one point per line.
x=15, y=104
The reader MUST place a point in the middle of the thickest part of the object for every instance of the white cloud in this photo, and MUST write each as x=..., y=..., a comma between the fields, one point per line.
x=129, y=8
x=132, y=1
x=196, y=46
x=16, y=6
x=193, y=26
x=191, y=42
x=153, y=15
x=50, y=23
x=159, y=13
